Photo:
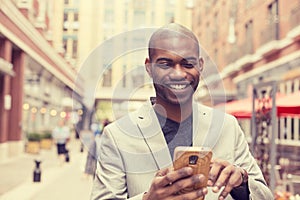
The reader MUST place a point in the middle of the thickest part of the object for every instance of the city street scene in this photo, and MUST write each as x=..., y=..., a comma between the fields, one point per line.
x=72, y=71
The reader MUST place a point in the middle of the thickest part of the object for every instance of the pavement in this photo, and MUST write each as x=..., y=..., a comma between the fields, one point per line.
x=59, y=182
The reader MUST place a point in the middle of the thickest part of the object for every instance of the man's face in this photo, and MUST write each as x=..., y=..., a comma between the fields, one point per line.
x=175, y=69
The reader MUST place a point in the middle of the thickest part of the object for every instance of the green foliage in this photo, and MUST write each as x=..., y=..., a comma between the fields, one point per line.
x=46, y=135
x=104, y=110
x=34, y=137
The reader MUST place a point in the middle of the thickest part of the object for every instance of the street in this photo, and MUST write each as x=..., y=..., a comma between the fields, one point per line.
x=57, y=182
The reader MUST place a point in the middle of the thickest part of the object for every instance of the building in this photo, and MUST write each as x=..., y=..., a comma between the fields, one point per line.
x=251, y=42
x=37, y=85
x=118, y=31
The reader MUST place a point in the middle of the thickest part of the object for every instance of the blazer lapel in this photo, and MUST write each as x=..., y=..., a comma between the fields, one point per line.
x=205, y=133
x=153, y=136
x=201, y=122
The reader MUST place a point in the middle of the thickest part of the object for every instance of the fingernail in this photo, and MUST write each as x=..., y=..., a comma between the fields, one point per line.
x=201, y=177
x=189, y=170
x=200, y=193
x=216, y=189
x=221, y=198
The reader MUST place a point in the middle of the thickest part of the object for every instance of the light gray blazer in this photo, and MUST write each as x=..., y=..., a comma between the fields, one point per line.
x=133, y=148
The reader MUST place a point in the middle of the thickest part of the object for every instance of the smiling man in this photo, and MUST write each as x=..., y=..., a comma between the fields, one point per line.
x=135, y=155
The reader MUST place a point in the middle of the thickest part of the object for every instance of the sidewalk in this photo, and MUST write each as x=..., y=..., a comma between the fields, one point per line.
x=57, y=182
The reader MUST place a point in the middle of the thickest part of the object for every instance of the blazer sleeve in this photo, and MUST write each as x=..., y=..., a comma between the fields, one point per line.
x=110, y=177
x=243, y=158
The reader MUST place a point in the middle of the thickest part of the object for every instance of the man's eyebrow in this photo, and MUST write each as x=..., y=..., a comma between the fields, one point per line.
x=190, y=59
x=164, y=59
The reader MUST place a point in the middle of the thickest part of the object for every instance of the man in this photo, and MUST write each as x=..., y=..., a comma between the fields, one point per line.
x=135, y=156
x=61, y=135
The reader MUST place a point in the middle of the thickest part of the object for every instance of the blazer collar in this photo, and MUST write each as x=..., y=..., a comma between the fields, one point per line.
x=149, y=126
x=150, y=129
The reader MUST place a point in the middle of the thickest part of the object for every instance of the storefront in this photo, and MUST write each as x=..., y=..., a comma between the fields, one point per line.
x=36, y=84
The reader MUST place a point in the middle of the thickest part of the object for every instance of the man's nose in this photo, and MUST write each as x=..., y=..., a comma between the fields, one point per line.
x=178, y=72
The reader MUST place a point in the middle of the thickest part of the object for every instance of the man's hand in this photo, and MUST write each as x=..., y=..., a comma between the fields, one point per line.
x=222, y=173
x=168, y=183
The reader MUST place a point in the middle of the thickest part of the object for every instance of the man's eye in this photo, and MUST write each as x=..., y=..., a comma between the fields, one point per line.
x=188, y=65
x=163, y=65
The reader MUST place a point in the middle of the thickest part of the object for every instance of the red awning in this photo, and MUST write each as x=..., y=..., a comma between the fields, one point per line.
x=238, y=108
x=287, y=105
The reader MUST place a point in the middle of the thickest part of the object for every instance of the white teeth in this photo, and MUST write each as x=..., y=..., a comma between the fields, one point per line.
x=178, y=87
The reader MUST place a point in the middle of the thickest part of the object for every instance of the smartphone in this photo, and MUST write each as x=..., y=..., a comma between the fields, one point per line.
x=198, y=158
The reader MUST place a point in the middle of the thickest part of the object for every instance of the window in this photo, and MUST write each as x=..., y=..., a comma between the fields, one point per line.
x=215, y=28
x=66, y=21
x=139, y=18
x=207, y=6
x=107, y=77
x=124, y=76
x=109, y=4
x=248, y=3
x=249, y=37
x=74, y=52
x=216, y=56
x=273, y=19
x=76, y=3
x=109, y=16
x=65, y=42
x=198, y=18
x=139, y=5
x=234, y=9
x=208, y=38
x=169, y=17
x=138, y=77
x=75, y=17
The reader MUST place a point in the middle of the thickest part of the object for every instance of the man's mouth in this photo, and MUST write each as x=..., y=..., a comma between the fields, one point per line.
x=178, y=86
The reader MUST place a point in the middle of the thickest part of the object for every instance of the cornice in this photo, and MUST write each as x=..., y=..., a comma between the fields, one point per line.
x=35, y=56
x=268, y=66
x=68, y=76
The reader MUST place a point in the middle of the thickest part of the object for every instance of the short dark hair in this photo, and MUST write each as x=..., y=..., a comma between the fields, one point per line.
x=170, y=30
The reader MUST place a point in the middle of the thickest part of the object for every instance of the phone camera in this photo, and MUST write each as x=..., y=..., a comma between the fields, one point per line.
x=193, y=160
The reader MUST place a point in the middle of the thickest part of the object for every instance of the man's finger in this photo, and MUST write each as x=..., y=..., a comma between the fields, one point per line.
x=214, y=172
x=196, y=194
x=223, y=178
x=175, y=175
x=186, y=184
x=231, y=183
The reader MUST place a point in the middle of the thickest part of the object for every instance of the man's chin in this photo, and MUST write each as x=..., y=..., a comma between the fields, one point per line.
x=179, y=101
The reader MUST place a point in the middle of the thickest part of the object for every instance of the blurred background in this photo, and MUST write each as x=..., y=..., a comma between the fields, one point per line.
x=251, y=50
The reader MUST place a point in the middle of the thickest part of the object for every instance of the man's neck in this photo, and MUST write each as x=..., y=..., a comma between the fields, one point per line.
x=175, y=112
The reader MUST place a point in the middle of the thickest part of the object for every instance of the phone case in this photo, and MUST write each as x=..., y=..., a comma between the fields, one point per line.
x=196, y=157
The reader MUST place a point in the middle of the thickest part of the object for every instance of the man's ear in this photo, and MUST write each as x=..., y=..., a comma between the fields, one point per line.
x=201, y=64
x=148, y=66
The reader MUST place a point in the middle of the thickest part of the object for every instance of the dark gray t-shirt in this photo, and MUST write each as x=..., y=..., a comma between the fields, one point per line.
x=176, y=134
x=181, y=134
